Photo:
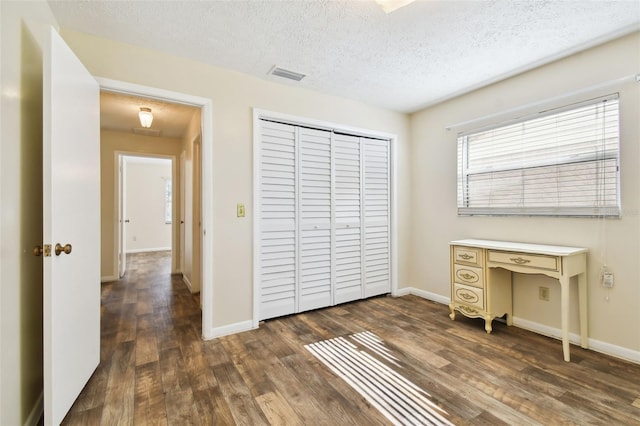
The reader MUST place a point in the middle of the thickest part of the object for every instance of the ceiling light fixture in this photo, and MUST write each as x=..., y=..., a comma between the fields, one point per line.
x=146, y=118
x=392, y=5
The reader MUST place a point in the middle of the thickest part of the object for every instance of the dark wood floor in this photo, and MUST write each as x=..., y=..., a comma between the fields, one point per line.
x=155, y=369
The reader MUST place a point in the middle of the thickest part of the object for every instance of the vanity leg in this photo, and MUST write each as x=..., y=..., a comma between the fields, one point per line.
x=487, y=324
x=452, y=315
x=564, y=313
x=582, y=294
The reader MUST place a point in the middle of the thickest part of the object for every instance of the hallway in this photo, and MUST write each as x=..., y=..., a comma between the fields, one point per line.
x=150, y=329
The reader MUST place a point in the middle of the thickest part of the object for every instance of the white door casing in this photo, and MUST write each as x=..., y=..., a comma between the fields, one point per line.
x=71, y=179
x=182, y=211
x=122, y=220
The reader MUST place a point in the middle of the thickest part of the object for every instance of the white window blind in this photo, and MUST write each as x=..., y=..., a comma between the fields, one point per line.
x=563, y=162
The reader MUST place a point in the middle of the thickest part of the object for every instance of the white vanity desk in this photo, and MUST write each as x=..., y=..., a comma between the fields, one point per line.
x=481, y=279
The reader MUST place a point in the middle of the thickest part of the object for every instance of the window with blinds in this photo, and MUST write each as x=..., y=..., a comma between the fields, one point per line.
x=563, y=162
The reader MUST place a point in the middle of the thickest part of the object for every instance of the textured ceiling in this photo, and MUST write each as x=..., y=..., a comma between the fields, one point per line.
x=120, y=113
x=416, y=56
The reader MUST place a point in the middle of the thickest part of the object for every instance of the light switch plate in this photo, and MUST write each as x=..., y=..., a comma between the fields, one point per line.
x=240, y=210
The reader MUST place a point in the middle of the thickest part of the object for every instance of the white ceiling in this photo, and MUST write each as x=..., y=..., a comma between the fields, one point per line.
x=418, y=55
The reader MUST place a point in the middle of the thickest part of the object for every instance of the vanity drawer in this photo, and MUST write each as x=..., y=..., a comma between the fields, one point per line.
x=526, y=260
x=469, y=275
x=466, y=255
x=468, y=295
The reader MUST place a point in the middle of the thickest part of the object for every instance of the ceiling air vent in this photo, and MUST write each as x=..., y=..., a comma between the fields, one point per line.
x=291, y=75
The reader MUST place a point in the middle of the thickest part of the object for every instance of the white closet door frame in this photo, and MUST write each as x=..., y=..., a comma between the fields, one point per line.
x=259, y=114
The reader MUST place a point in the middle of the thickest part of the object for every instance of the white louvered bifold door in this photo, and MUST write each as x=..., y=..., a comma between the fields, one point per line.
x=377, y=249
x=278, y=273
x=315, y=219
x=347, y=205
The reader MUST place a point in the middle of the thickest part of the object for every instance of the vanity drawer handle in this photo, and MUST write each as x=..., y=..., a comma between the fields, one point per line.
x=519, y=260
x=465, y=256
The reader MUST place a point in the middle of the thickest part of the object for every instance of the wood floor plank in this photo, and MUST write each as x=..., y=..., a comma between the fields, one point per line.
x=120, y=392
x=146, y=347
x=251, y=358
x=244, y=409
x=213, y=408
x=277, y=410
x=149, y=396
x=156, y=369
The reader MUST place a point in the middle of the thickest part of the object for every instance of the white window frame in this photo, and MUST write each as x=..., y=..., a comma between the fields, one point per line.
x=467, y=207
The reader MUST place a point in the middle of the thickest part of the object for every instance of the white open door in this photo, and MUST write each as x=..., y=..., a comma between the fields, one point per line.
x=71, y=177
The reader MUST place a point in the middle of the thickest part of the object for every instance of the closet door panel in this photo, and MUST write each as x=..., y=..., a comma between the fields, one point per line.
x=347, y=217
x=277, y=220
x=377, y=248
x=314, y=198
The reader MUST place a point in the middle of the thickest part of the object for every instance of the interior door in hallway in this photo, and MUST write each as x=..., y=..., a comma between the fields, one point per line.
x=71, y=180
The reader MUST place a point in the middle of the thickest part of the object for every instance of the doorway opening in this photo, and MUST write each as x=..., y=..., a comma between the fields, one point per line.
x=145, y=207
x=197, y=160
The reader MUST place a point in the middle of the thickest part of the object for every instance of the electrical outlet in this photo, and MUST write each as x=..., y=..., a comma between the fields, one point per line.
x=543, y=293
x=607, y=279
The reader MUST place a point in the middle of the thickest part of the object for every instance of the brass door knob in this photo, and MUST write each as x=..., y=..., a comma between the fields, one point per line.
x=60, y=249
x=37, y=251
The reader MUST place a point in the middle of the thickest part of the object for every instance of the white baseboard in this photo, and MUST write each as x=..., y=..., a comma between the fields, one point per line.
x=187, y=282
x=595, y=345
x=424, y=294
x=145, y=250
x=36, y=412
x=108, y=279
x=226, y=330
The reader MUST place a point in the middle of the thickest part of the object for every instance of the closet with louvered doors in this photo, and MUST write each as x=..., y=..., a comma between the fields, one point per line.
x=323, y=218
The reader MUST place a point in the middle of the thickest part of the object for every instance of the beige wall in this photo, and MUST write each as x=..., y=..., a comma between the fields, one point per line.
x=147, y=228
x=614, y=315
x=233, y=96
x=112, y=142
x=22, y=37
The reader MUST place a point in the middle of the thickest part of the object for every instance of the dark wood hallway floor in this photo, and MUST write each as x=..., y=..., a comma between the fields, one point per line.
x=155, y=369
